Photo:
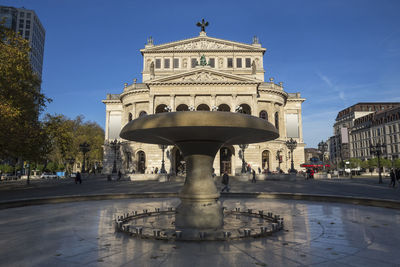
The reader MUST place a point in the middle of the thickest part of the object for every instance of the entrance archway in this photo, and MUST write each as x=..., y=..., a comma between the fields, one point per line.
x=265, y=160
x=203, y=107
x=225, y=160
x=141, y=162
x=179, y=164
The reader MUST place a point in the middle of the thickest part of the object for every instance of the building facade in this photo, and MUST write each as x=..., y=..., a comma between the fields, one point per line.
x=28, y=25
x=204, y=73
x=353, y=130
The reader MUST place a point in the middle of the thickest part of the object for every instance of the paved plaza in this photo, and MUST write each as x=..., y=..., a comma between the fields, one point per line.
x=316, y=233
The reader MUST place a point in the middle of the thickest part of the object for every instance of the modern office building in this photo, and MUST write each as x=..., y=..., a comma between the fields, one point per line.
x=204, y=73
x=28, y=25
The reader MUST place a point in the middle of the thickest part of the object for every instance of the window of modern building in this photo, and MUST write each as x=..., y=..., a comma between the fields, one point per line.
x=28, y=15
x=238, y=63
x=176, y=63
x=248, y=62
x=27, y=33
x=21, y=26
x=230, y=62
x=158, y=63
x=166, y=63
x=22, y=14
x=21, y=21
x=211, y=62
x=194, y=62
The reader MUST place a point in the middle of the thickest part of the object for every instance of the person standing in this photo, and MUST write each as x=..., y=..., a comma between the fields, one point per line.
x=253, y=179
x=392, y=178
x=78, y=178
x=225, y=181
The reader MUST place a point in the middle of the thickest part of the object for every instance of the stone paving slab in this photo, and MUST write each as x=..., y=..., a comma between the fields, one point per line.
x=315, y=234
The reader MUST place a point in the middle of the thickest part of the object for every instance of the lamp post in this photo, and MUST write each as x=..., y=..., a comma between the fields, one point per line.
x=28, y=167
x=115, y=147
x=291, y=145
x=279, y=159
x=243, y=148
x=163, y=147
x=323, y=147
x=84, y=148
x=377, y=150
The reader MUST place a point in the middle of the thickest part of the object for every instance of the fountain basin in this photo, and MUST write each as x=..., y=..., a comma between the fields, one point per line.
x=199, y=135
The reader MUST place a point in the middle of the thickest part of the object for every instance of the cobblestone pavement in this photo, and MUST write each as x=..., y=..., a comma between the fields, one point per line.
x=367, y=187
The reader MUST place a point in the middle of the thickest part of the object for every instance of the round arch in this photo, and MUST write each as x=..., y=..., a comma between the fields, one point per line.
x=224, y=107
x=246, y=109
x=161, y=108
x=264, y=115
x=141, y=162
x=265, y=160
x=203, y=107
x=142, y=113
x=182, y=107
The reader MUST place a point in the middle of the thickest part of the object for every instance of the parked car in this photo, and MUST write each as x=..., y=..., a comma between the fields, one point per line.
x=47, y=175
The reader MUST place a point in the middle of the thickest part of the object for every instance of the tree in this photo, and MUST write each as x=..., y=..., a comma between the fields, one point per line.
x=21, y=101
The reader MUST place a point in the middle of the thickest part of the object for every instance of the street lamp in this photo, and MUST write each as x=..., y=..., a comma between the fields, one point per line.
x=279, y=158
x=163, y=147
x=115, y=147
x=243, y=148
x=323, y=147
x=84, y=148
x=377, y=150
x=291, y=145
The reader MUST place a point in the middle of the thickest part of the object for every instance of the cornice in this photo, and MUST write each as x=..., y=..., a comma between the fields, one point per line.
x=134, y=91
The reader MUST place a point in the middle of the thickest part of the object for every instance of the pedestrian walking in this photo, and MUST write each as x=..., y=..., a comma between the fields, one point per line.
x=253, y=179
x=392, y=178
x=78, y=178
x=225, y=181
x=119, y=175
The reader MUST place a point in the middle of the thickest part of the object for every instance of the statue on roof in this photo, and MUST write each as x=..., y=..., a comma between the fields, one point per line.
x=203, y=25
x=203, y=61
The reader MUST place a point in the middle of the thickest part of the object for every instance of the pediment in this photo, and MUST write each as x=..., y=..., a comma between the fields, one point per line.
x=203, y=43
x=203, y=75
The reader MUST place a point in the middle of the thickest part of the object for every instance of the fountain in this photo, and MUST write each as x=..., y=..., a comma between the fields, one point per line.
x=199, y=135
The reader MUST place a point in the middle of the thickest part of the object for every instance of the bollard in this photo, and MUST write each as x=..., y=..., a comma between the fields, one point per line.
x=156, y=233
x=202, y=235
x=238, y=209
x=263, y=229
x=249, y=210
x=169, y=208
x=261, y=212
x=227, y=234
x=139, y=230
x=145, y=211
x=178, y=234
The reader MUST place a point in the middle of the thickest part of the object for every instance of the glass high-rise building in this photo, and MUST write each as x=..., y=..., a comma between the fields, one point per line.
x=28, y=25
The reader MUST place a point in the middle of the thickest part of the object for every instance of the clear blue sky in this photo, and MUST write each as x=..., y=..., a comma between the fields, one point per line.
x=334, y=52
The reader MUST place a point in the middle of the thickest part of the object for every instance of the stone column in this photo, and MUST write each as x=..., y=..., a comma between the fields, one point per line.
x=172, y=102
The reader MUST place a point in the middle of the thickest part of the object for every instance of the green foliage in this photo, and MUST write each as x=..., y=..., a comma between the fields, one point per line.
x=396, y=163
x=5, y=168
x=386, y=163
x=354, y=163
x=373, y=163
x=65, y=136
x=21, y=101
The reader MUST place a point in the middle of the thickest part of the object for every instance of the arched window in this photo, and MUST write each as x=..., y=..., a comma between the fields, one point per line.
x=246, y=109
x=224, y=107
x=161, y=108
x=264, y=115
x=142, y=113
x=130, y=116
x=203, y=107
x=276, y=120
x=182, y=107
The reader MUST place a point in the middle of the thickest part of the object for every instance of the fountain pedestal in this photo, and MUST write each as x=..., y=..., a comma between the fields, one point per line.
x=199, y=135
